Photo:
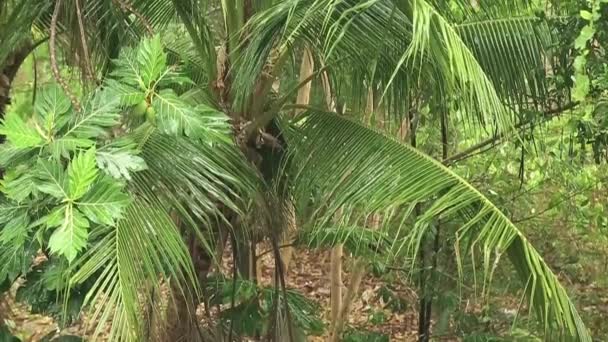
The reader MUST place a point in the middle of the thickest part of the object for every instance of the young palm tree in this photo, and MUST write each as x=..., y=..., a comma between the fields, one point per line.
x=220, y=150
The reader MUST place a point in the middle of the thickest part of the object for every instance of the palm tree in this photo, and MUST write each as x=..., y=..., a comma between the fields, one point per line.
x=223, y=151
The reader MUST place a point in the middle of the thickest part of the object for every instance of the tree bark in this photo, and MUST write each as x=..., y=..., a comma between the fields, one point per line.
x=9, y=70
x=303, y=98
x=335, y=272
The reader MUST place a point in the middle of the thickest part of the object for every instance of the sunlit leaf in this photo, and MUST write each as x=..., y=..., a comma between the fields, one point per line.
x=104, y=203
x=19, y=133
x=82, y=172
x=51, y=179
x=71, y=236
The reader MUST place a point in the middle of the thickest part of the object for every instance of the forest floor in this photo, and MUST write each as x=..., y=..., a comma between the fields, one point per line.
x=308, y=273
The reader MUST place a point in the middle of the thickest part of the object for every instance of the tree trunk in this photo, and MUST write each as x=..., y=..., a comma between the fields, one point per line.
x=306, y=70
x=9, y=70
x=335, y=272
x=357, y=273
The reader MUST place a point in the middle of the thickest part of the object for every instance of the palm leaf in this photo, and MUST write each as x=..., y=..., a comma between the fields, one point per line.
x=375, y=44
x=342, y=169
x=512, y=52
x=123, y=282
x=199, y=182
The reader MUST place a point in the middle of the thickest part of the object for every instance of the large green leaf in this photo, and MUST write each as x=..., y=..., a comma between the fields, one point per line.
x=18, y=183
x=152, y=59
x=70, y=237
x=8, y=210
x=120, y=163
x=175, y=116
x=51, y=106
x=52, y=179
x=104, y=203
x=19, y=133
x=82, y=172
x=63, y=146
x=100, y=112
x=128, y=94
x=342, y=172
x=15, y=231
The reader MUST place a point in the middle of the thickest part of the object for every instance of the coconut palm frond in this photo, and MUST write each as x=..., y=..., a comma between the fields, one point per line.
x=342, y=172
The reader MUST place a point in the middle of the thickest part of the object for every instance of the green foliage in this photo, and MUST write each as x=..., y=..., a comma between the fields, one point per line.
x=356, y=171
x=364, y=336
x=71, y=188
x=44, y=292
x=142, y=79
x=41, y=183
x=255, y=306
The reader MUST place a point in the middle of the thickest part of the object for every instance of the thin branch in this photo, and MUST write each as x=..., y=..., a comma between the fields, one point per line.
x=474, y=150
x=53, y=57
x=271, y=250
x=88, y=67
x=126, y=6
x=564, y=199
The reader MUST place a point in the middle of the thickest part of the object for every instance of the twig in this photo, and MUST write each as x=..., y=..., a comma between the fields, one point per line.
x=474, y=150
x=564, y=199
x=53, y=57
x=35, y=67
x=126, y=6
x=280, y=247
x=88, y=67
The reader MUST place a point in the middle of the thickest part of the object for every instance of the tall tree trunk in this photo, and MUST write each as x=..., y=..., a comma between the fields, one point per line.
x=303, y=98
x=358, y=271
x=9, y=70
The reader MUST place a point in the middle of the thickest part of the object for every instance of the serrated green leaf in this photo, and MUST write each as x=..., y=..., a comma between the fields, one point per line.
x=11, y=155
x=71, y=237
x=104, y=203
x=51, y=179
x=152, y=59
x=19, y=133
x=100, y=112
x=120, y=164
x=8, y=210
x=18, y=184
x=128, y=95
x=15, y=231
x=54, y=218
x=82, y=172
x=51, y=106
x=63, y=146
x=174, y=115
x=15, y=260
x=127, y=70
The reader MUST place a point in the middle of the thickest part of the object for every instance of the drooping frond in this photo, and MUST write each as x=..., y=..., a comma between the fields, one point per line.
x=484, y=9
x=15, y=24
x=196, y=182
x=342, y=172
x=129, y=263
x=198, y=175
x=512, y=53
x=374, y=44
